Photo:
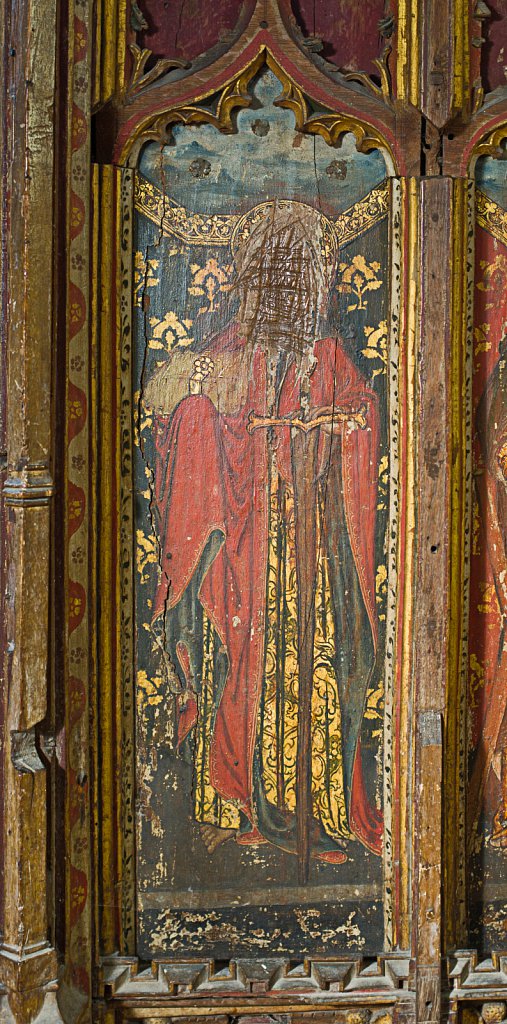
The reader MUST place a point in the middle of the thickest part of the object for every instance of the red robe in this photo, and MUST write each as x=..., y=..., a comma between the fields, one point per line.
x=491, y=486
x=212, y=475
x=486, y=627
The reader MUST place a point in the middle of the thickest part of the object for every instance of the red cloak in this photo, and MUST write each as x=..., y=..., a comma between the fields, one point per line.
x=212, y=475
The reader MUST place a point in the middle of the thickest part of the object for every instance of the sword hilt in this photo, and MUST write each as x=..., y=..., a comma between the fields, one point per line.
x=357, y=416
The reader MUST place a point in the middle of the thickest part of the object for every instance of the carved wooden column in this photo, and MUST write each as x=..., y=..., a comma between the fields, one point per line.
x=447, y=68
x=28, y=964
x=3, y=337
x=444, y=240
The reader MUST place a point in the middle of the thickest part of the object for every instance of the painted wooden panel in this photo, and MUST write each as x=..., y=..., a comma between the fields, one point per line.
x=494, y=49
x=262, y=506
x=487, y=693
x=186, y=29
x=351, y=43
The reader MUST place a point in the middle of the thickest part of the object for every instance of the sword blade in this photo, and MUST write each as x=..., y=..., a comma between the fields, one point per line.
x=304, y=455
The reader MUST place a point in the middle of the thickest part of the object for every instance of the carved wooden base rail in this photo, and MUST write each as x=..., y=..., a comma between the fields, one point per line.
x=122, y=975
x=349, y=991
x=478, y=987
x=352, y=991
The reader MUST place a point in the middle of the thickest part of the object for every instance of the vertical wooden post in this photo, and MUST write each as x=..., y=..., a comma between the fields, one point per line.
x=435, y=386
x=28, y=964
x=3, y=389
x=446, y=86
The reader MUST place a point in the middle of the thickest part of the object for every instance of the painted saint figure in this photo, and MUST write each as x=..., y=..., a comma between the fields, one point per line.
x=265, y=496
x=491, y=482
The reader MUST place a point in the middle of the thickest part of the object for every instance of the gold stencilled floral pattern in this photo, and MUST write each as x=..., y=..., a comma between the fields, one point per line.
x=357, y=278
x=146, y=555
x=169, y=332
x=481, y=341
x=494, y=278
x=145, y=276
x=149, y=690
x=383, y=483
x=376, y=347
x=209, y=281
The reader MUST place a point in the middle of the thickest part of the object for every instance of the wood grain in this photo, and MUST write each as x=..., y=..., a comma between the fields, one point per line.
x=432, y=583
x=28, y=964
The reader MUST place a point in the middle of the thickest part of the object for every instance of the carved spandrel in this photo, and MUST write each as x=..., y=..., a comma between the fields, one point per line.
x=269, y=23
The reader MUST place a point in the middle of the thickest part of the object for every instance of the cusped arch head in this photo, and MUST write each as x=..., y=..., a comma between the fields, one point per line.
x=493, y=143
x=330, y=107
x=484, y=135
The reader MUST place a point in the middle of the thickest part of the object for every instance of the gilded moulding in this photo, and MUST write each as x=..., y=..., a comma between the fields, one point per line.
x=200, y=229
x=235, y=95
x=490, y=216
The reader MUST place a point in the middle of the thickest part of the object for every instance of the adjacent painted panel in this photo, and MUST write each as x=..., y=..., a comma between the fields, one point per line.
x=487, y=681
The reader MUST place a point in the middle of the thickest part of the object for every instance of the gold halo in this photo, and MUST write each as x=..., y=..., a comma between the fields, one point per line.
x=249, y=220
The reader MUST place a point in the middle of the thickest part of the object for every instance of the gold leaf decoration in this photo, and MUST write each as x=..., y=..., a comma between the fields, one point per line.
x=494, y=278
x=481, y=342
x=210, y=280
x=148, y=689
x=146, y=555
x=490, y=216
x=489, y=600
x=376, y=347
x=374, y=710
x=200, y=229
x=357, y=278
x=169, y=332
x=145, y=276
x=477, y=680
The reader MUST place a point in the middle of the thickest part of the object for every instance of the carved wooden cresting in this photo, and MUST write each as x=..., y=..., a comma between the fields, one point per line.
x=253, y=443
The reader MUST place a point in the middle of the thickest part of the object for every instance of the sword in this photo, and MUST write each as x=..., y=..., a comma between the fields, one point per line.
x=335, y=416
x=304, y=456
x=305, y=432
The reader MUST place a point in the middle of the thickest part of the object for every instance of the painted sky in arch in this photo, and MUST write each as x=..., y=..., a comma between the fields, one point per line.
x=491, y=178
x=282, y=162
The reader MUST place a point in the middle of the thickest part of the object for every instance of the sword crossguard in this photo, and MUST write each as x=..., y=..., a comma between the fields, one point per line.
x=357, y=416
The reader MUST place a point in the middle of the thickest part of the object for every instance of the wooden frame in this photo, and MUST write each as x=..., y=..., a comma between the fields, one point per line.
x=113, y=192
x=266, y=39
x=86, y=239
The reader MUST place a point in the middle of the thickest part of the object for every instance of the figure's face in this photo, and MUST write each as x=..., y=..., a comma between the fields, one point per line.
x=281, y=295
